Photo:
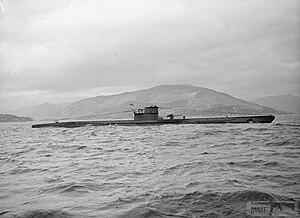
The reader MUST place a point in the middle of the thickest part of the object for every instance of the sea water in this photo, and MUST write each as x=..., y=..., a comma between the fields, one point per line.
x=212, y=170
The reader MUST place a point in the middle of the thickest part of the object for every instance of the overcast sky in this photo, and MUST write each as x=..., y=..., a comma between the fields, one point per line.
x=66, y=50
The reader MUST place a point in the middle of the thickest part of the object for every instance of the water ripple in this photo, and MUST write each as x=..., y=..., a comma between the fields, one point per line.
x=147, y=171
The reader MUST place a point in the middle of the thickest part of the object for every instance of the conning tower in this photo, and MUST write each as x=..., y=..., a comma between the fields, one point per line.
x=148, y=114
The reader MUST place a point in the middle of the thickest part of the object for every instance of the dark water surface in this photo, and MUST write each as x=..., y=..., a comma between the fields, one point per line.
x=149, y=171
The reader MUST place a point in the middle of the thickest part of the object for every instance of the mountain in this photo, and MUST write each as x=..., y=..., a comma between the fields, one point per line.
x=178, y=99
x=288, y=103
x=41, y=111
x=13, y=118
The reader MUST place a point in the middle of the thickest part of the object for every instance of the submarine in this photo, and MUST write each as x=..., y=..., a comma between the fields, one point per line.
x=149, y=116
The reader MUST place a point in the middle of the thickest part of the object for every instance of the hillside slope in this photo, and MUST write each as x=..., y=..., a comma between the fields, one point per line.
x=288, y=103
x=13, y=118
x=41, y=111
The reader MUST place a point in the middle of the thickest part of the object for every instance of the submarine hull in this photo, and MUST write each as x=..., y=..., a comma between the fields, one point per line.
x=212, y=120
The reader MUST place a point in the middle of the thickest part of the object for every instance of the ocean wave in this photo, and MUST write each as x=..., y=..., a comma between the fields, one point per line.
x=290, y=124
x=181, y=167
x=172, y=143
x=38, y=214
x=198, y=204
x=66, y=189
x=256, y=129
x=280, y=143
x=23, y=170
x=252, y=163
x=272, y=164
x=148, y=212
